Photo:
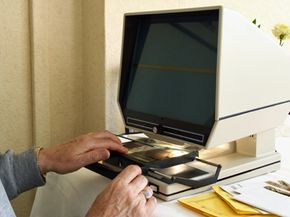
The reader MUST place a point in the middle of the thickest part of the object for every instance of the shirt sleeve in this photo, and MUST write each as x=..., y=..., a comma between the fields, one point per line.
x=5, y=206
x=19, y=172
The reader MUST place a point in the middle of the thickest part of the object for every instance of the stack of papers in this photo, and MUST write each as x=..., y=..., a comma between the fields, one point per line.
x=265, y=197
x=272, y=196
x=212, y=205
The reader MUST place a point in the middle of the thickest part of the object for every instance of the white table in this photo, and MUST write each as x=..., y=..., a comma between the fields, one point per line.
x=71, y=195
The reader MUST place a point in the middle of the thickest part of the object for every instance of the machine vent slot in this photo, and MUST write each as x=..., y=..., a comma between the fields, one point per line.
x=141, y=124
x=183, y=134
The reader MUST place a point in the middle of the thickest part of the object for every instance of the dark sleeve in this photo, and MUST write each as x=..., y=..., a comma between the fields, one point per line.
x=20, y=172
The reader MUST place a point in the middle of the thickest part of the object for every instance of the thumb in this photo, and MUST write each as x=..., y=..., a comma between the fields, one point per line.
x=95, y=156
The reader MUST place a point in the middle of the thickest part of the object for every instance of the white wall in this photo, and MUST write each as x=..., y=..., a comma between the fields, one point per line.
x=93, y=65
x=57, y=68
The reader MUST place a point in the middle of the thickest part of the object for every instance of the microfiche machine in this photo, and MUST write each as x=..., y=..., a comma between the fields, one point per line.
x=206, y=89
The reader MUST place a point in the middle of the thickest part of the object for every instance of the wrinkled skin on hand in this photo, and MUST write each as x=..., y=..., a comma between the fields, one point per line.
x=81, y=151
x=124, y=197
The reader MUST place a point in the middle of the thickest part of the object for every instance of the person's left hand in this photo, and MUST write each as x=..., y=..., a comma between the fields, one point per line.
x=127, y=195
x=79, y=152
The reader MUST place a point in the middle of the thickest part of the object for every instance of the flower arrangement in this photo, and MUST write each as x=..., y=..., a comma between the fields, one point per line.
x=282, y=32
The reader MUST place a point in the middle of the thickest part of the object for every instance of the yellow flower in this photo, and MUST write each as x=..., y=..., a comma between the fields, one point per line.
x=281, y=31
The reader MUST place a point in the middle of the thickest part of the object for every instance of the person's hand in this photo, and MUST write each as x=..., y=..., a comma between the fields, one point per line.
x=79, y=152
x=126, y=196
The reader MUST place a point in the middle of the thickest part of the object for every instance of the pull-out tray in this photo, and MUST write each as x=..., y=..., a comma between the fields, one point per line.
x=162, y=163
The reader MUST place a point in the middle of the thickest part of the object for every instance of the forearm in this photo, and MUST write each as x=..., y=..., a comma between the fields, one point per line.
x=20, y=172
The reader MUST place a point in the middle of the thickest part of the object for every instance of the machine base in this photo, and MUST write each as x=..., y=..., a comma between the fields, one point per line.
x=235, y=167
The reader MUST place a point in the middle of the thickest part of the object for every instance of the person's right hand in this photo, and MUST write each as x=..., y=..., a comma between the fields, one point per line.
x=125, y=196
x=85, y=149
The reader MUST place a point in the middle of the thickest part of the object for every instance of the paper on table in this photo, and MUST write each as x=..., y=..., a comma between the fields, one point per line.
x=267, y=200
x=257, y=182
x=253, y=192
x=210, y=204
x=238, y=207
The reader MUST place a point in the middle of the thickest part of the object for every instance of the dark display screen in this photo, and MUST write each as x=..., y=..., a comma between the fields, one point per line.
x=171, y=68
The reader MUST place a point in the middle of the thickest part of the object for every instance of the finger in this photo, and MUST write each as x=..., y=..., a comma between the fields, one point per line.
x=128, y=174
x=107, y=144
x=94, y=143
x=148, y=203
x=108, y=135
x=139, y=183
x=147, y=192
x=94, y=156
x=151, y=205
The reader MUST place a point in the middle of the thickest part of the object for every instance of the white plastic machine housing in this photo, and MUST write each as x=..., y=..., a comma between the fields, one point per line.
x=252, y=99
x=253, y=78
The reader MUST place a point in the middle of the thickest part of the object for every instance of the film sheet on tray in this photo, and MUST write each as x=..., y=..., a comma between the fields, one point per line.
x=148, y=150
